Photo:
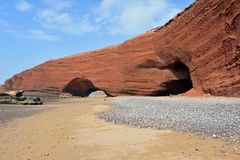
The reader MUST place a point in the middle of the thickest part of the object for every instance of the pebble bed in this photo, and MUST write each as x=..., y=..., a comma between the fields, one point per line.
x=216, y=117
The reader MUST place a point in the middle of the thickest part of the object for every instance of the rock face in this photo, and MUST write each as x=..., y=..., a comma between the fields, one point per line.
x=199, y=48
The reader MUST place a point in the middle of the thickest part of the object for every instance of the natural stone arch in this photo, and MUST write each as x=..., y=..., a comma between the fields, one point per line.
x=81, y=87
x=181, y=84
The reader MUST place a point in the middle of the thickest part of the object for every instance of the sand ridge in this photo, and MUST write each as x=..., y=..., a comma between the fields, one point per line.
x=72, y=131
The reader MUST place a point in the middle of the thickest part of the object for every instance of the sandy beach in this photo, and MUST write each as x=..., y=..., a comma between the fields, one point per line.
x=120, y=80
x=72, y=131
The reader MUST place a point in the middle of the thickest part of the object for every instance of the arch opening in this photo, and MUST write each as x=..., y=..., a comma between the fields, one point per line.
x=181, y=84
x=81, y=87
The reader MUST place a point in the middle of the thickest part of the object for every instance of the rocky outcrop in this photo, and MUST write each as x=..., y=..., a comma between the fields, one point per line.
x=199, y=48
x=17, y=93
x=21, y=101
x=17, y=97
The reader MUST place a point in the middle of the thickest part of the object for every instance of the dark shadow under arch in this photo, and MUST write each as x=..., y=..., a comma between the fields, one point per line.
x=182, y=84
x=81, y=87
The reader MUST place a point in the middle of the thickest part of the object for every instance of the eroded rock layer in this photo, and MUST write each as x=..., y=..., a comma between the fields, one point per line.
x=198, y=48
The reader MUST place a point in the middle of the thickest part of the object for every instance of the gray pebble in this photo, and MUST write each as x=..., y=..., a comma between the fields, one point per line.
x=216, y=117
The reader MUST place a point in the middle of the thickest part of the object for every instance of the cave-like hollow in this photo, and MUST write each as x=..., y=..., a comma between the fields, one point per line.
x=181, y=84
x=80, y=87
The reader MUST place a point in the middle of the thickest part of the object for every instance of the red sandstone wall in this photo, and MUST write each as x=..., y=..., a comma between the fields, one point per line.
x=205, y=37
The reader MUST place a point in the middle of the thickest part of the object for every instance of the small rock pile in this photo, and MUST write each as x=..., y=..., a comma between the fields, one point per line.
x=66, y=95
x=17, y=97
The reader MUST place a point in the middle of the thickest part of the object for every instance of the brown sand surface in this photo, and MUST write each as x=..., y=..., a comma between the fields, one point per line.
x=72, y=132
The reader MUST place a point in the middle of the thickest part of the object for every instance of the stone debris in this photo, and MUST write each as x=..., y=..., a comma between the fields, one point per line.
x=17, y=97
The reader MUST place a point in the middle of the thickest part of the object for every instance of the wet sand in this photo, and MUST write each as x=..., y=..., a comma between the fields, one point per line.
x=72, y=131
x=12, y=112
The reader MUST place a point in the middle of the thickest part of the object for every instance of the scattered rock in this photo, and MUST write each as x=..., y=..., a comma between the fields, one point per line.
x=46, y=154
x=207, y=95
x=17, y=93
x=17, y=97
x=214, y=136
x=65, y=95
x=32, y=101
x=22, y=98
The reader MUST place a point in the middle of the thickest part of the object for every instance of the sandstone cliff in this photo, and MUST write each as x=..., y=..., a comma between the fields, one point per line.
x=199, y=48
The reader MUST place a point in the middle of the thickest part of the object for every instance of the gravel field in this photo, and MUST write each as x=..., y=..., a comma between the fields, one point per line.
x=217, y=117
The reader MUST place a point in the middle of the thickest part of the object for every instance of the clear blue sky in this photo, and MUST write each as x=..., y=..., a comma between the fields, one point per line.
x=33, y=31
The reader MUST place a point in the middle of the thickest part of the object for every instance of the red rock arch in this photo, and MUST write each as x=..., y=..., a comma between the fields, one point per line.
x=180, y=84
x=80, y=87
